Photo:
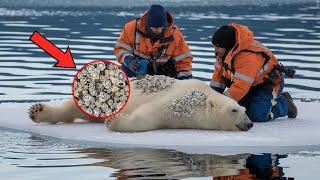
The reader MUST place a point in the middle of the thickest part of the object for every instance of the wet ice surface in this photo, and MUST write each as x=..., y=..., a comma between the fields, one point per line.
x=279, y=136
x=26, y=72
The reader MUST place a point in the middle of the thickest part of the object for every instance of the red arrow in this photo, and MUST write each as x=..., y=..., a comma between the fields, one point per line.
x=65, y=60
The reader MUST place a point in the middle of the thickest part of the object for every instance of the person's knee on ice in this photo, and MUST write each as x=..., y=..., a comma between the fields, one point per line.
x=259, y=114
x=258, y=106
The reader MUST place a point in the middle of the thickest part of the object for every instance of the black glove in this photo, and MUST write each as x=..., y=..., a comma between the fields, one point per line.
x=132, y=63
x=220, y=90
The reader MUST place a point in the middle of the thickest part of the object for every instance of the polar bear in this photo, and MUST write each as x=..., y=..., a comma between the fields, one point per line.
x=160, y=102
x=165, y=163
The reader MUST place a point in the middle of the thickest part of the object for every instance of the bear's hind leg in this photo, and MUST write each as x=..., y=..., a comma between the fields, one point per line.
x=65, y=112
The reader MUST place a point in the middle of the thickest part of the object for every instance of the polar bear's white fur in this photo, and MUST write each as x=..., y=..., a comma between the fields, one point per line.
x=149, y=109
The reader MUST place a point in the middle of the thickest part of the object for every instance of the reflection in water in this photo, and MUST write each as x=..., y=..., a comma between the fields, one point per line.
x=23, y=153
x=170, y=164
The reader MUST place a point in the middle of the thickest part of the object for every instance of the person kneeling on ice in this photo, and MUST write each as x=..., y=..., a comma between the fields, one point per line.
x=154, y=45
x=252, y=73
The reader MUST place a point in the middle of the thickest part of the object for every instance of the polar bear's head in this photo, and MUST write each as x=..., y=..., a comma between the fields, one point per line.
x=227, y=114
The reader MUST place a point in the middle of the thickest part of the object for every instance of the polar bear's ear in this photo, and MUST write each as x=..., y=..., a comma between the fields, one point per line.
x=243, y=108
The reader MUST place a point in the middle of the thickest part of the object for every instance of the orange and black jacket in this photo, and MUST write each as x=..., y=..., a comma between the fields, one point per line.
x=246, y=65
x=135, y=41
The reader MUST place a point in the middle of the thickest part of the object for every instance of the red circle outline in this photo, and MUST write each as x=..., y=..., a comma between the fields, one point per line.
x=91, y=115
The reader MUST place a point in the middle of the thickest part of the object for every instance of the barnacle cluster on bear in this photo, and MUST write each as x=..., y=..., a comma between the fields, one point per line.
x=183, y=106
x=101, y=89
x=153, y=83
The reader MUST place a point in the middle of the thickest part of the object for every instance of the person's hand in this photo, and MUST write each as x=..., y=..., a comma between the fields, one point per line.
x=163, y=60
x=219, y=63
x=132, y=63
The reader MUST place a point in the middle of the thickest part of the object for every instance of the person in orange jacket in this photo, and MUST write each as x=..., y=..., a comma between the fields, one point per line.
x=252, y=73
x=156, y=41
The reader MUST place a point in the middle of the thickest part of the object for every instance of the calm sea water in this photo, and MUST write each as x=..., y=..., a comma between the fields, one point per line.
x=27, y=156
x=291, y=31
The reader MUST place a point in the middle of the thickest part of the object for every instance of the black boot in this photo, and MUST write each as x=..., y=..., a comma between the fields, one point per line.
x=292, y=108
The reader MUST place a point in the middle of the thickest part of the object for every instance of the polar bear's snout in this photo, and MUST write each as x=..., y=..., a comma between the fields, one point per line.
x=244, y=124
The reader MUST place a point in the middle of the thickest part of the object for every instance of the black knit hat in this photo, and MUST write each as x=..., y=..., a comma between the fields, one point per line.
x=157, y=16
x=224, y=37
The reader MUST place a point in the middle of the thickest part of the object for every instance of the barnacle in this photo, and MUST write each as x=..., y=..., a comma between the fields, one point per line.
x=104, y=107
x=84, y=72
x=95, y=74
x=115, y=89
x=96, y=111
x=104, y=96
x=76, y=93
x=121, y=76
x=107, y=83
x=90, y=68
x=101, y=66
x=110, y=102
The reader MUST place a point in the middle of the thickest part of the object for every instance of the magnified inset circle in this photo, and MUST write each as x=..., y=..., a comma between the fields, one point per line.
x=100, y=89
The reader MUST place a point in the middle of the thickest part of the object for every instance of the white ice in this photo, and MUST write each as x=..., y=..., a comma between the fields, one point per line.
x=282, y=135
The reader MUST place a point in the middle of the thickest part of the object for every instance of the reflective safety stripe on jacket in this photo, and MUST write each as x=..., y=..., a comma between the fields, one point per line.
x=134, y=41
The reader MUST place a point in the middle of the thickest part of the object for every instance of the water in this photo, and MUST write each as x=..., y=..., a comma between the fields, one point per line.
x=26, y=74
x=27, y=156
x=290, y=29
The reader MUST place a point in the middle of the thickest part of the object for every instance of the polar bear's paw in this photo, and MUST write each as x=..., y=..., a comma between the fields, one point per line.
x=34, y=110
x=114, y=122
x=38, y=113
x=110, y=123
